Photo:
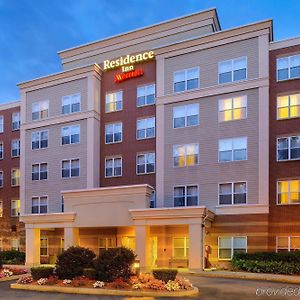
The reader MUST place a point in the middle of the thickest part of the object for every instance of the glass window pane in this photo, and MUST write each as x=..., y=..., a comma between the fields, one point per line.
x=179, y=76
x=192, y=73
x=225, y=66
x=240, y=63
x=282, y=63
x=225, y=242
x=239, y=243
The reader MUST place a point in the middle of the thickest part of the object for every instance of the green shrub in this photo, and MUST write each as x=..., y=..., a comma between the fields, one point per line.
x=89, y=273
x=165, y=274
x=41, y=272
x=12, y=257
x=114, y=263
x=1, y=264
x=71, y=262
x=264, y=262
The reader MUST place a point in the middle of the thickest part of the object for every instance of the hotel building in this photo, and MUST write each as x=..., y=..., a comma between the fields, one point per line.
x=159, y=140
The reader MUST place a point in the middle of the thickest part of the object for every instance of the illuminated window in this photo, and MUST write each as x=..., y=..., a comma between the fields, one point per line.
x=288, y=148
x=114, y=101
x=105, y=243
x=14, y=244
x=233, y=109
x=39, y=140
x=128, y=242
x=70, y=168
x=113, y=133
x=39, y=171
x=145, y=128
x=40, y=110
x=186, y=115
x=43, y=246
x=1, y=150
x=39, y=205
x=288, y=106
x=234, y=149
x=186, y=195
x=233, y=70
x=288, y=67
x=185, y=155
x=15, y=177
x=288, y=192
x=70, y=104
x=227, y=246
x=145, y=163
x=70, y=135
x=15, y=208
x=113, y=166
x=145, y=95
x=15, y=120
x=181, y=247
x=1, y=124
x=232, y=193
x=185, y=80
x=1, y=179
x=287, y=243
x=15, y=148
x=1, y=208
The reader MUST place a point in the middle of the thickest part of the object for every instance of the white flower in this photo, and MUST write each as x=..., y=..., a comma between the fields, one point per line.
x=172, y=286
x=42, y=281
x=67, y=281
x=98, y=284
x=7, y=273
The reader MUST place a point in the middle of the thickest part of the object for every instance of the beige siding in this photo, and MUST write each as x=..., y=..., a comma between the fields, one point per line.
x=54, y=95
x=53, y=155
x=208, y=60
x=210, y=172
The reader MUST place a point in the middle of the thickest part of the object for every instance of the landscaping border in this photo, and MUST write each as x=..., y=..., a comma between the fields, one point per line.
x=96, y=291
x=15, y=277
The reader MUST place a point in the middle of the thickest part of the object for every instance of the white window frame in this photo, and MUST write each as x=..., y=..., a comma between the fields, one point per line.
x=40, y=140
x=39, y=111
x=39, y=172
x=113, y=159
x=289, y=237
x=18, y=149
x=186, y=238
x=289, y=148
x=1, y=124
x=232, y=243
x=289, y=67
x=232, y=193
x=114, y=125
x=2, y=176
x=145, y=128
x=17, y=243
x=69, y=128
x=186, y=116
x=289, y=192
x=15, y=115
x=47, y=248
x=289, y=107
x=39, y=204
x=12, y=171
x=71, y=100
x=115, y=101
x=145, y=154
x=185, y=155
x=2, y=146
x=232, y=70
x=70, y=160
x=185, y=186
x=233, y=108
x=11, y=207
x=145, y=87
x=185, y=79
x=232, y=150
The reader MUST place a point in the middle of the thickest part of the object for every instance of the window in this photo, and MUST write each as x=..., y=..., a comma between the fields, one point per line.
x=1, y=244
x=288, y=107
x=39, y=171
x=15, y=208
x=145, y=95
x=227, y=246
x=14, y=243
x=287, y=243
x=181, y=247
x=39, y=140
x=186, y=195
x=113, y=167
x=70, y=104
x=232, y=193
x=288, y=67
x=62, y=204
x=105, y=243
x=233, y=109
x=233, y=70
x=39, y=205
x=40, y=110
x=15, y=148
x=44, y=246
x=153, y=200
x=185, y=155
x=15, y=119
x=70, y=168
x=288, y=148
x=288, y=192
x=70, y=135
x=1, y=178
x=145, y=163
x=1, y=124
x=15, y=177
x=1, y=150
x=1, y=208
x=145, y=128
x=113, y=133
x=128, y=242
x=186, y=115
x=234, y=149
x=185, y=80
x=114, y=101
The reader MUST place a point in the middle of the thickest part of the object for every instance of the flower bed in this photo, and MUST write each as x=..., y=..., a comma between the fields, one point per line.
x=11, y=273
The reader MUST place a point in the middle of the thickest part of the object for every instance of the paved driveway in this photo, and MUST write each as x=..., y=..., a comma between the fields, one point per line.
x=210, y=289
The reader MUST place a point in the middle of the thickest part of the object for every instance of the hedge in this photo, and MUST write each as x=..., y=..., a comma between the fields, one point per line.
x=267, y=262
x=41, y=272
x=165, y=274
x=12, y=257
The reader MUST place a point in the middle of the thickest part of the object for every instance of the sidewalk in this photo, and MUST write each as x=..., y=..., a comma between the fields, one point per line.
x=295, y=279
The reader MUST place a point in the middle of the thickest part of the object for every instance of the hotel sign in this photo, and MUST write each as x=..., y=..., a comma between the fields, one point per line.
x=127, y=64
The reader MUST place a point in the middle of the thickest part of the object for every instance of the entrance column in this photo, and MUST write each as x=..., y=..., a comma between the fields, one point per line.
x=33, y=241
x=71, y=236
x=142, y=246
x=196, y=247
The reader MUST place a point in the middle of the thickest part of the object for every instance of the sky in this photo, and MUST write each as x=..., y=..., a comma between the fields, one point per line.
x=33, y=31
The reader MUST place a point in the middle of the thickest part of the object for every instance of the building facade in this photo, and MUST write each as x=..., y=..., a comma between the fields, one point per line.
x=159, y=140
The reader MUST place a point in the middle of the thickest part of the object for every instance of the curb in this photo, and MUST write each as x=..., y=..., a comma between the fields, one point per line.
x=4, y=279
x=249, y=277
x=90, y=291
